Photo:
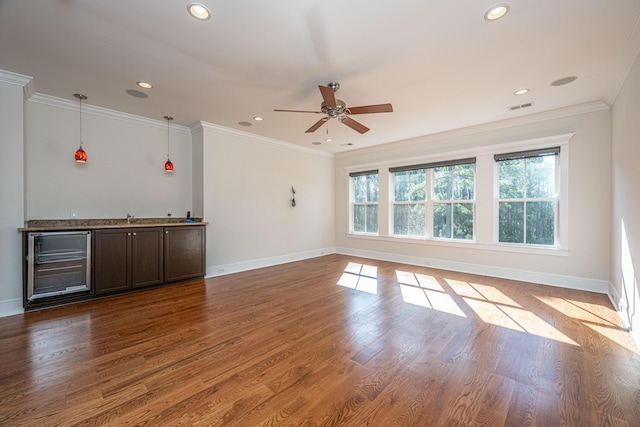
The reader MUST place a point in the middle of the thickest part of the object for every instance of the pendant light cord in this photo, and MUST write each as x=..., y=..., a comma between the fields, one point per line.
x=169, y=118
x=80, y=98
x=80, y=121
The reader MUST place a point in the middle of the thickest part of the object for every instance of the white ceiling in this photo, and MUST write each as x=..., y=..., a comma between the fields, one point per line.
x=440, y=64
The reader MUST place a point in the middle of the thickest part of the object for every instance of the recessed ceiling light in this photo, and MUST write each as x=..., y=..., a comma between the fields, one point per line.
x=258, y=119
x=328, y=140
x=564, y=81
x=496, y=12
x=316, y=143
x=144, y=85
x=244, y=123
x=199, y=11
x=521, y=91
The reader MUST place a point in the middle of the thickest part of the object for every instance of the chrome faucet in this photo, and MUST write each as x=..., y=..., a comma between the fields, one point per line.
x=129, y=216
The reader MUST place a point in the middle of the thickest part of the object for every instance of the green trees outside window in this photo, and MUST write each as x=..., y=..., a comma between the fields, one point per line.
x=527, y=200
x=453, y=193
x=410, y=196
x=365, y=203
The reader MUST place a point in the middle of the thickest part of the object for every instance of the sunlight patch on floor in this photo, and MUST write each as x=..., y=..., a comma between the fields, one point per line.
x=574, y=309
x=491, y=313
x=425, y=291
x=360, y=277
x=517, y=319
x=587, y=314
x=617, y=335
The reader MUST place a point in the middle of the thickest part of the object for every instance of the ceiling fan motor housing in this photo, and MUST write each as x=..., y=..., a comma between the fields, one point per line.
x=334, y=111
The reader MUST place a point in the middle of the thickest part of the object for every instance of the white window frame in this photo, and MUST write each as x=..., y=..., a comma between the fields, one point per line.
x=486, y=212
x=561, y=222
x=393, y=203
x=353, y=203
x=433, y=201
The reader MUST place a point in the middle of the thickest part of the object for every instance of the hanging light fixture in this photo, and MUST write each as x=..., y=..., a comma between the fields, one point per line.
x=81, y=155
x=168, y=166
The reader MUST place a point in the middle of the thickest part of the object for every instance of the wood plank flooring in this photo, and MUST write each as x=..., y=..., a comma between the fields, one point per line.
x=332, y=341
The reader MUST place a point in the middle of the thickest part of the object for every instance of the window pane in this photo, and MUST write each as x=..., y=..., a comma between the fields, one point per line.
x=512, y=179
x=540, y=223
x=360, y=188
x=401, y=186
x=463, y=221
x=463, y=181
x=511, y=222
x=359, y=218
x=442, y=220
x=541, y=176
x=372, y=218
x=365, y=188
x=416, y=220
x=372, y=188
x=400, y=219
x=418, y=185
x=442, y=183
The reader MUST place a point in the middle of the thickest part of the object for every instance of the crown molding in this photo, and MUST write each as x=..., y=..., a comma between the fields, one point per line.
x=14, y=78
x=104, y=112
x=202, y=126
x=484, y=127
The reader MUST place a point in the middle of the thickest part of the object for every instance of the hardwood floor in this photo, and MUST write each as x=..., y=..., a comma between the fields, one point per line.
x=332, y=341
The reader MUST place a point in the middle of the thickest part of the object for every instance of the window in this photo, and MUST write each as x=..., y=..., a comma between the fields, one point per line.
x=409, y=205
x=453, y=194
x=527, y=199
x=364, y=202
x=436, y=198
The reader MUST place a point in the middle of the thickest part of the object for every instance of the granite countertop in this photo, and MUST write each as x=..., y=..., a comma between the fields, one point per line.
x=95, y=224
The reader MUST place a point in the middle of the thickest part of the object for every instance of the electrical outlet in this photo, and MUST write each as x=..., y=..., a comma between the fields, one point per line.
x=74, y=214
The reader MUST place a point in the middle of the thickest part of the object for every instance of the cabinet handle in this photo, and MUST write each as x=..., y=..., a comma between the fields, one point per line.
x=166, y=232
x=134, y=234
x=128, y=234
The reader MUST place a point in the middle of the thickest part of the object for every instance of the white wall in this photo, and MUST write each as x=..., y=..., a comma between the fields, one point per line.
x=625, y=242
x=125, y=168
x=585, y=263
x=247, y=191
x=11, y=193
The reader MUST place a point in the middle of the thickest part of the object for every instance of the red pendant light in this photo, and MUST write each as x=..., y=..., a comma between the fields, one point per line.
x=168, y=166
x=80, y=155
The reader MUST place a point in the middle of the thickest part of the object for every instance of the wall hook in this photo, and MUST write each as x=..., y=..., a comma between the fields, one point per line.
x=293, y=197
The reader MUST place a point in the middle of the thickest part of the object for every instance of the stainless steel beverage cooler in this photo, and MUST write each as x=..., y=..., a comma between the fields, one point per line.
x=58, y=263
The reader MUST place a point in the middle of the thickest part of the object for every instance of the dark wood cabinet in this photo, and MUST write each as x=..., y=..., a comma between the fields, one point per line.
x=184, y=253
x=127, y=258
x=111, y=254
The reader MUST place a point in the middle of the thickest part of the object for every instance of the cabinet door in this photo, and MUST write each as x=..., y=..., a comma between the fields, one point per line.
x=111, y=255
x=184, y=253
x=146, y=256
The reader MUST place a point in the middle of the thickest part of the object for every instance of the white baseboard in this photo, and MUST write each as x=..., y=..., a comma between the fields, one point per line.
x=10, y=307
x=562, y=281
x=222, y=269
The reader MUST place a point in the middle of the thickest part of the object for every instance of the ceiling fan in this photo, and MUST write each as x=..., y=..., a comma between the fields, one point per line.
x=337, y=109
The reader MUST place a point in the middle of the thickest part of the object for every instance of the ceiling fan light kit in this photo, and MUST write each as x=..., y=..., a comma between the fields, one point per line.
x=337, y=109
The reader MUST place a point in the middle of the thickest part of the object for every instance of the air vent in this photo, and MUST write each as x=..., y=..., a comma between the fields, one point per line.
x=521, y=106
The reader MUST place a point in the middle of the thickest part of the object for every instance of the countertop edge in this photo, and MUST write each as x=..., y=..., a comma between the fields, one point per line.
x=111, y=226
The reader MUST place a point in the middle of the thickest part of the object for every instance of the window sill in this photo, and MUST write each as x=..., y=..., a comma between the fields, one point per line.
x=467, y=244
